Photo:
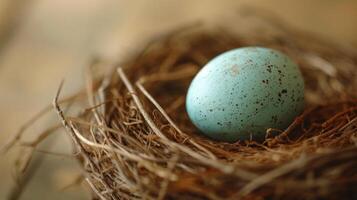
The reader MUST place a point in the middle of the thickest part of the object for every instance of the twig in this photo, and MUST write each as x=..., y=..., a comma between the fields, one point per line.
x=224, y=167
x=270, y=176
x=72, y=134
x=95, y=189
x=162, y=111
x=17, y=136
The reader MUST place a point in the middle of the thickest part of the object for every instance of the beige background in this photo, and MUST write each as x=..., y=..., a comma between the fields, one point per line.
x=56, y=39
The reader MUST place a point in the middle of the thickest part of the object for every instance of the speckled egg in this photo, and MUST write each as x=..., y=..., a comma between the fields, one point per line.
x=241, y=93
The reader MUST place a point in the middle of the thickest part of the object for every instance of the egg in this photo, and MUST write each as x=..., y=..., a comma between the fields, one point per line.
x=241, y=93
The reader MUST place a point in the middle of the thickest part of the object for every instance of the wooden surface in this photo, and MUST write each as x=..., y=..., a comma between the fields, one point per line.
x=56, y=39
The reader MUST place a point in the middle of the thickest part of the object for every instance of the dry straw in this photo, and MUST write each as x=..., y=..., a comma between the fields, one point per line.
x=135, y=140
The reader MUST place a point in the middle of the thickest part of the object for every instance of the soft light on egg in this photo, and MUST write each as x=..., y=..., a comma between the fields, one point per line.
x=241, y=93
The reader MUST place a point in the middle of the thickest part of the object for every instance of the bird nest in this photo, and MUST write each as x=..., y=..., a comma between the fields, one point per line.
x=135, y=140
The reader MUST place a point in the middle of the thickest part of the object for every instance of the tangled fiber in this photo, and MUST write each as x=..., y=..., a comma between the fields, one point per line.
x=135, y=140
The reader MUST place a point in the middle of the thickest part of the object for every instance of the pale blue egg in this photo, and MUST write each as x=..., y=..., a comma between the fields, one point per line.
x=241, y=93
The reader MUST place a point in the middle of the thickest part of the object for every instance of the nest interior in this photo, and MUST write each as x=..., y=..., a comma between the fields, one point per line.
x=136, y=141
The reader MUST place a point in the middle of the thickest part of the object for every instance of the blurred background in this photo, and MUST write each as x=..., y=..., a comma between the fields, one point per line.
x=44, y=41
